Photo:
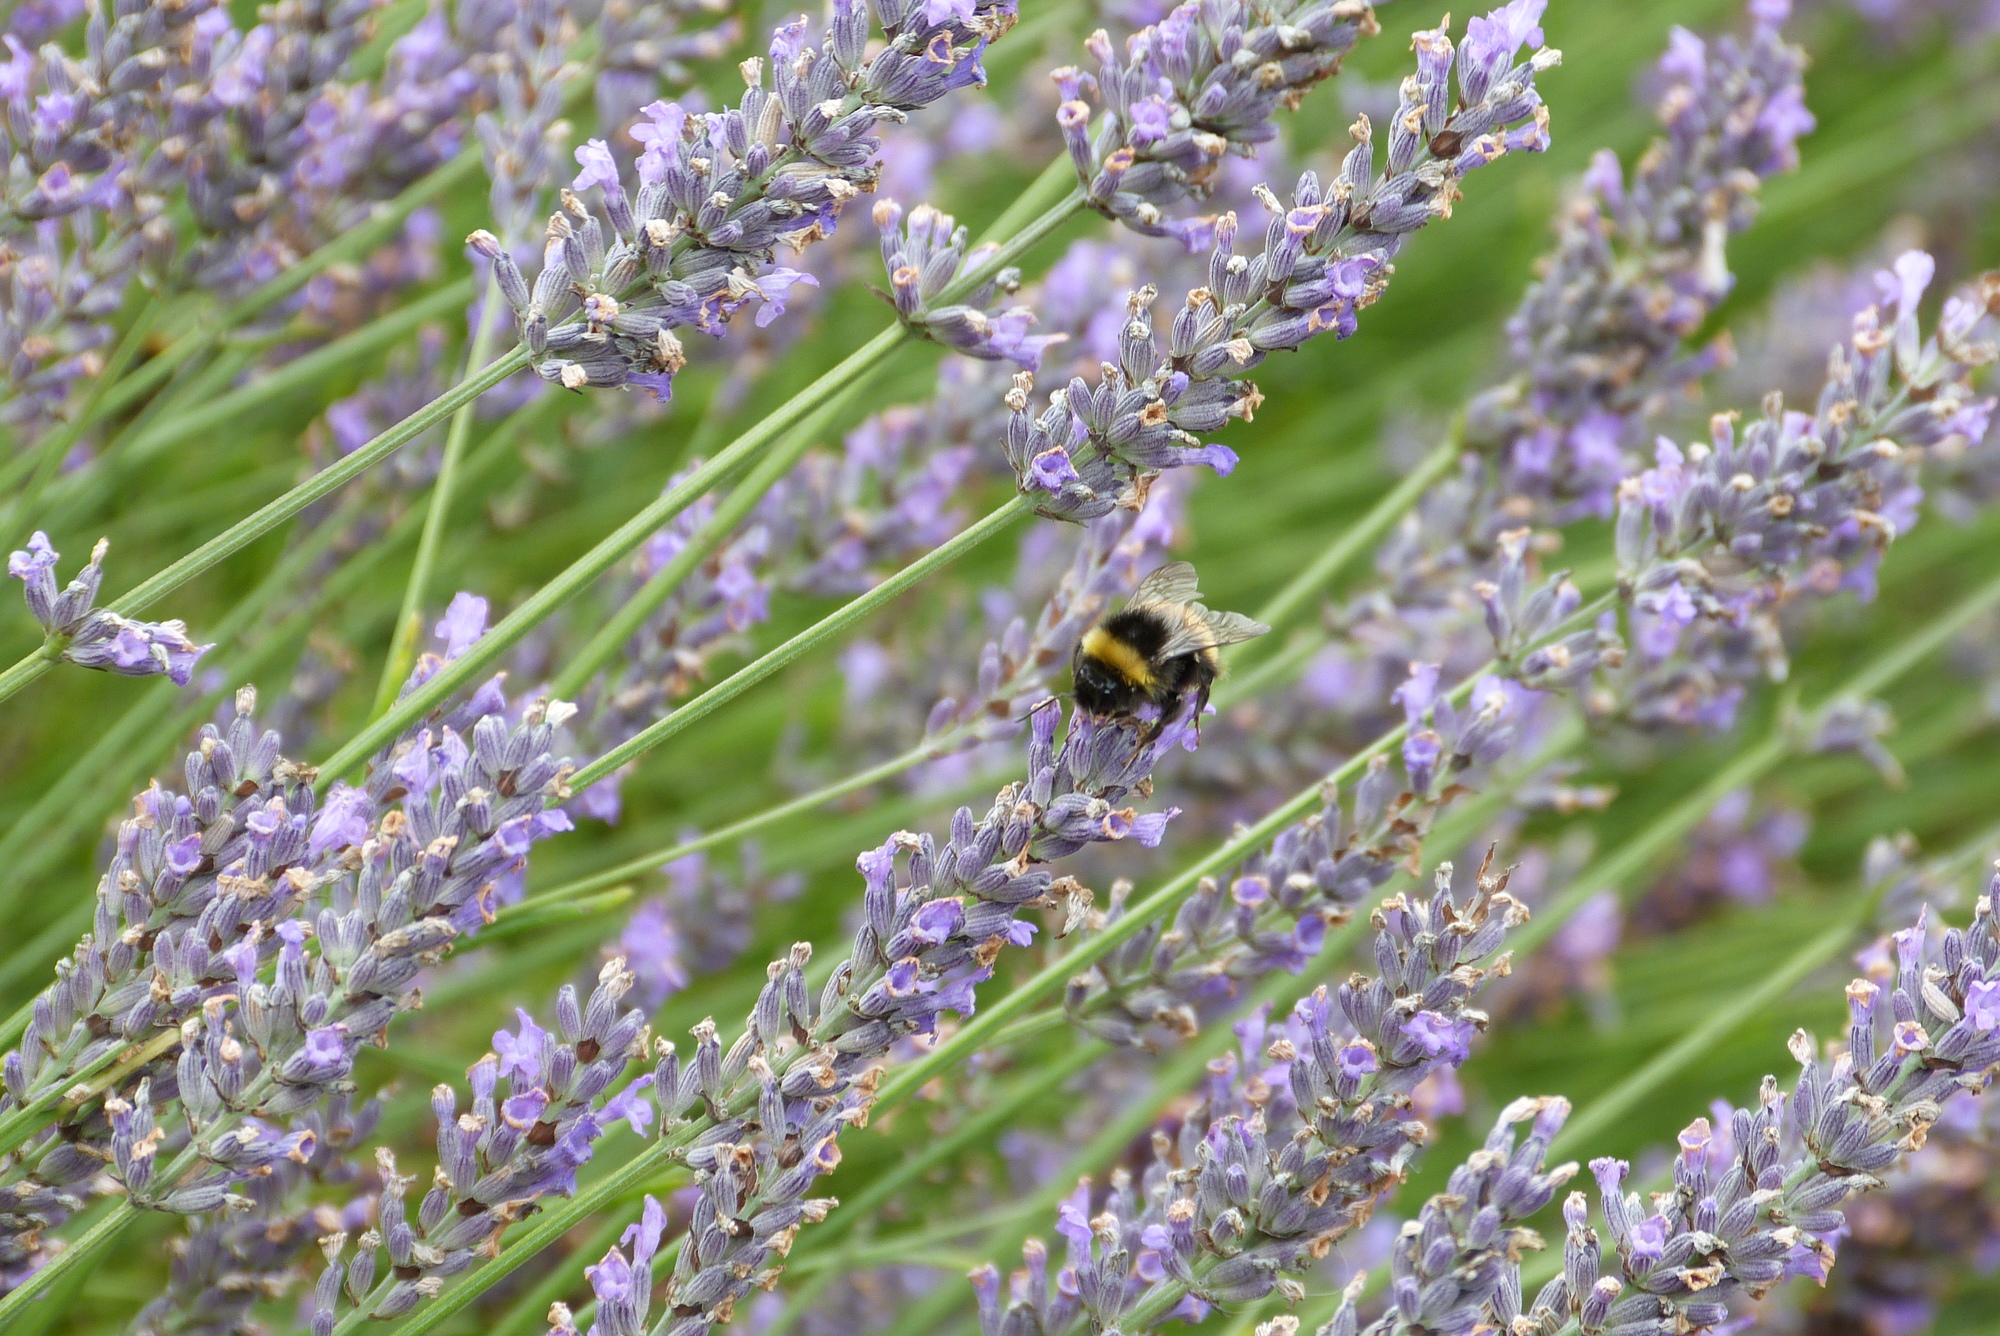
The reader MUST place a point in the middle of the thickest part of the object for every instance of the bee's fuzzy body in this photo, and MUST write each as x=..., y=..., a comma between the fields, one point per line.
x=1160, y=649
x=1117, y=666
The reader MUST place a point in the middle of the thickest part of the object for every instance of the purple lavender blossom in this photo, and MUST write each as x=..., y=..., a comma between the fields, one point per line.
x=698, y=244
x=510, y=1150
x=1323, y=260
x=1638, y=266
x=93, y=637
x=1262, y=1184
x=1198, y=84
x=923, y=255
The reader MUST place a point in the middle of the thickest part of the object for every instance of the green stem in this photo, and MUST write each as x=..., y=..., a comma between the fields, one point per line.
x=325, y=483
x=1635, y=855
x=601, y=558
x=1614, y=1103
x=437, y=513
x=513, y=920
x=307, y=372
x=642, y=864
x=802, y=644
x=31, y=666
x=81, y=1086
x=271, y=515
x=100, y=1236
x=610, y=639
x=48, y=455
x=1360, y=538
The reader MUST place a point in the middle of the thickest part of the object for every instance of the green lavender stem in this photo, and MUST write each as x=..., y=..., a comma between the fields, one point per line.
x=48, y=454
x=625, y=623
x=271, y=515
x=437, y=512
x=803, y=643
x=1361, y=537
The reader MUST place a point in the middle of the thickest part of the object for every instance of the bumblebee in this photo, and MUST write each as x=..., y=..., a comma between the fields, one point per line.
x=1161, y=647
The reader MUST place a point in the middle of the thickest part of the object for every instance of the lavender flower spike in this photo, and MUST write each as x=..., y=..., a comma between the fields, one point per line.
x=1203, y=82
x=1324, y=259
x=1268, y=1175
x=507, y=1151
x=720, y=193
x=1456, y=1267
x=92, y=637
x=1638, y=266
x=923, y=254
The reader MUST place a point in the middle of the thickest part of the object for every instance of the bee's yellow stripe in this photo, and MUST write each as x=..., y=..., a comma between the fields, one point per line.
x=1129, y=663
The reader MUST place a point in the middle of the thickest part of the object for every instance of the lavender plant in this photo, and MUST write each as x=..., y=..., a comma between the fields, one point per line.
x=1750, y=1203
x=1116, y=996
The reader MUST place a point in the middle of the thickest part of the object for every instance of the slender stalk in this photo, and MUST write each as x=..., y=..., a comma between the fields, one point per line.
x=601, y=558
x=1634, y=855
x=437, y=513
x=309, y=371
x=803, y=643
x=642, y=864
x=48, y=455
x=276, y=512
x=513, y=920
x=1361, y=538
x=19, y=1126
x=611, y=638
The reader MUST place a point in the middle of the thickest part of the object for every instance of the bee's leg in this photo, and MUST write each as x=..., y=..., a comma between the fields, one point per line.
x=1200, y=708
x=1151, y=732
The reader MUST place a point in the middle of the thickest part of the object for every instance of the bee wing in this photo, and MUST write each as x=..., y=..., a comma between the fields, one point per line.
x=1208, y=629
x=1171, y=583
